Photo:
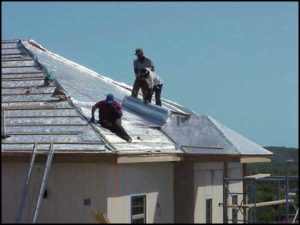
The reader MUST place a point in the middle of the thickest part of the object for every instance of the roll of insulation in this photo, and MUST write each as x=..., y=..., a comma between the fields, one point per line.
x=154, y=113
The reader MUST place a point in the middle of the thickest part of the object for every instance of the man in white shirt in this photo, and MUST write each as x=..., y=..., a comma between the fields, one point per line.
x=154, y=85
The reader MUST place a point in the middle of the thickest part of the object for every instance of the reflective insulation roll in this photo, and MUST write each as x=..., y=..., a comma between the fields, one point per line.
x=154, y=113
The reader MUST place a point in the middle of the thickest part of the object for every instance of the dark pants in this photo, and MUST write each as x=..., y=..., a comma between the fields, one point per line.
x=139, y=83
x=157, y=89
x=116, y=127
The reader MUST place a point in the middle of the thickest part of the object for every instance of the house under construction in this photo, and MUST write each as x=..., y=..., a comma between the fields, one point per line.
x=172, y=172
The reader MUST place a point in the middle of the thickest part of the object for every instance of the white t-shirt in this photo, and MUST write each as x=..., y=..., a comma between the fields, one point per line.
x=153, y=79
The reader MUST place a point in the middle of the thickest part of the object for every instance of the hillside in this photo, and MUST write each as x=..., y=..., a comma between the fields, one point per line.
x=284, y=160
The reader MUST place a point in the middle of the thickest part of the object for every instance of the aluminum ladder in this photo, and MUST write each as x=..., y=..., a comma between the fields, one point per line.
x=42, y=185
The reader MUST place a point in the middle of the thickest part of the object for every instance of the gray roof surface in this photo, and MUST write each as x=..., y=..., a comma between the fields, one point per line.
x=67, y=123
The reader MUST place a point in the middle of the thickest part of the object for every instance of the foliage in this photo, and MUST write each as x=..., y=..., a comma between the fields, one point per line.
x=280, y=162
x=284, y=161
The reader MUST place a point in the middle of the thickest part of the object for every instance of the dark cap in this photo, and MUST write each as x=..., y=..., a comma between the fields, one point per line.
x=138, y=51
x=109, y=98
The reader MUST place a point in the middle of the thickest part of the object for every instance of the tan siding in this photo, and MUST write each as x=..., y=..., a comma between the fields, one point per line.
x=153, y=179
x=235, y=171
x=12, y=178
x=70, y=183
x=208, y=184
x=67, y=186
x=184, y=183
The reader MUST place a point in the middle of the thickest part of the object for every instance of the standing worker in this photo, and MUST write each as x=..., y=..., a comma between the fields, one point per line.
x=110, y=113
x=154, y=84
x=141, y=62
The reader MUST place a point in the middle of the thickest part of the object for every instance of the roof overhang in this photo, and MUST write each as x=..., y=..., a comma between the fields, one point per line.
x=136, y=158
x=255, y=159
x=227, y=158
x=145, y=159
x=211, y=157
x=93, y=157
x=61, y=157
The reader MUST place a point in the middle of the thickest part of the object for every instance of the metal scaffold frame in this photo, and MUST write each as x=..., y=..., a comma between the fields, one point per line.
x=248, y=204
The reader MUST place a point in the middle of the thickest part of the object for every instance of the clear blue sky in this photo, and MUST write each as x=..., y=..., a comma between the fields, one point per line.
x=234, y=61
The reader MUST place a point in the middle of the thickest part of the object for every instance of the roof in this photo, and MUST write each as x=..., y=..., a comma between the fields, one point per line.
x=24, y=66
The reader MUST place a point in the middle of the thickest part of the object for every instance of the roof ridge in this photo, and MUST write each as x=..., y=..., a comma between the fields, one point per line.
x=238, y=135
x=221, y=132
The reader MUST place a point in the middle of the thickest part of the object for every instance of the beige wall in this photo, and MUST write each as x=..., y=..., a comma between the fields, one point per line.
x=107, y=186
x=208, y=183
x=235, y=171
x=153, y=179
x=184, y=192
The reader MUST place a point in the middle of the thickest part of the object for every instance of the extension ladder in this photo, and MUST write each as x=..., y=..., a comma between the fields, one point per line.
x=42, y=185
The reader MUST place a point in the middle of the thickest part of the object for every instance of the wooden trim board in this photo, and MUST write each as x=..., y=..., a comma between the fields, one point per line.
x=143, y=159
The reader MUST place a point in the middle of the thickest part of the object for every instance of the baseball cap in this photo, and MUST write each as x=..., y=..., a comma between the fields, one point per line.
x=109, y=98
x=138, y=51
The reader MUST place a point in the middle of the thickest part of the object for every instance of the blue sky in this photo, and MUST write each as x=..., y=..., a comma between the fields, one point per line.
x=234, y=61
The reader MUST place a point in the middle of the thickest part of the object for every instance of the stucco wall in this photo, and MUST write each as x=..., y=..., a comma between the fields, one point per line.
x=184, y=192
x=153, y=179
x=208, y=183
x=235, y=171
x=106, y=185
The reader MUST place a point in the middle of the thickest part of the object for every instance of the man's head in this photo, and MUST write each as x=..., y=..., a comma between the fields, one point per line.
x=139, y=52
x=109, y=98
x=144, y=73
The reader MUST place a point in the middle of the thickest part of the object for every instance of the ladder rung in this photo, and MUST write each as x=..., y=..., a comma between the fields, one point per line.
x=39, y=152
x=36, y=166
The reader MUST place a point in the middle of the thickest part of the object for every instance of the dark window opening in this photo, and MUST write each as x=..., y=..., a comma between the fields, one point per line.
x=209, y=210
x=138, y=209
x=87, y=201
x=234, y=210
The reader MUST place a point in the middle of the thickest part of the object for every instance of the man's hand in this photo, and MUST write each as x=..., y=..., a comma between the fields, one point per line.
x=92, y=120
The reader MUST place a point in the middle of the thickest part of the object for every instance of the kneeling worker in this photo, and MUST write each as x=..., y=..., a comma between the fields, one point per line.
x=154, y=85
x=110, y=113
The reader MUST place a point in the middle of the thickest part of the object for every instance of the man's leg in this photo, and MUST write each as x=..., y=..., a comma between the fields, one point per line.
x=157, y=89
x=136, y=87
x=147, y=92
x=119, y=130
x=106, y=124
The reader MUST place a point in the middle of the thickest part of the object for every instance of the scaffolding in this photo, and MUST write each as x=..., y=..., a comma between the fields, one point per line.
x=287, y=194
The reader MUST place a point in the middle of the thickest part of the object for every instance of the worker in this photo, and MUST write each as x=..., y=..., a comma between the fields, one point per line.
x=110, y=113
x=155, y=84
x=141, y=62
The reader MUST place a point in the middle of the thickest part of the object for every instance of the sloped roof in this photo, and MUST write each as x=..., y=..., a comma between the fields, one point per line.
x=22, y=93
x=183, y=132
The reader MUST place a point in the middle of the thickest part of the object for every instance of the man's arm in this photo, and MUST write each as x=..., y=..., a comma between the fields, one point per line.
x=116, y=110
x=135, y=68
x=93, y=112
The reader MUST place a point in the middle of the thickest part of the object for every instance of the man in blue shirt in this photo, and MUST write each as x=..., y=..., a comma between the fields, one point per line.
x=141, y=62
